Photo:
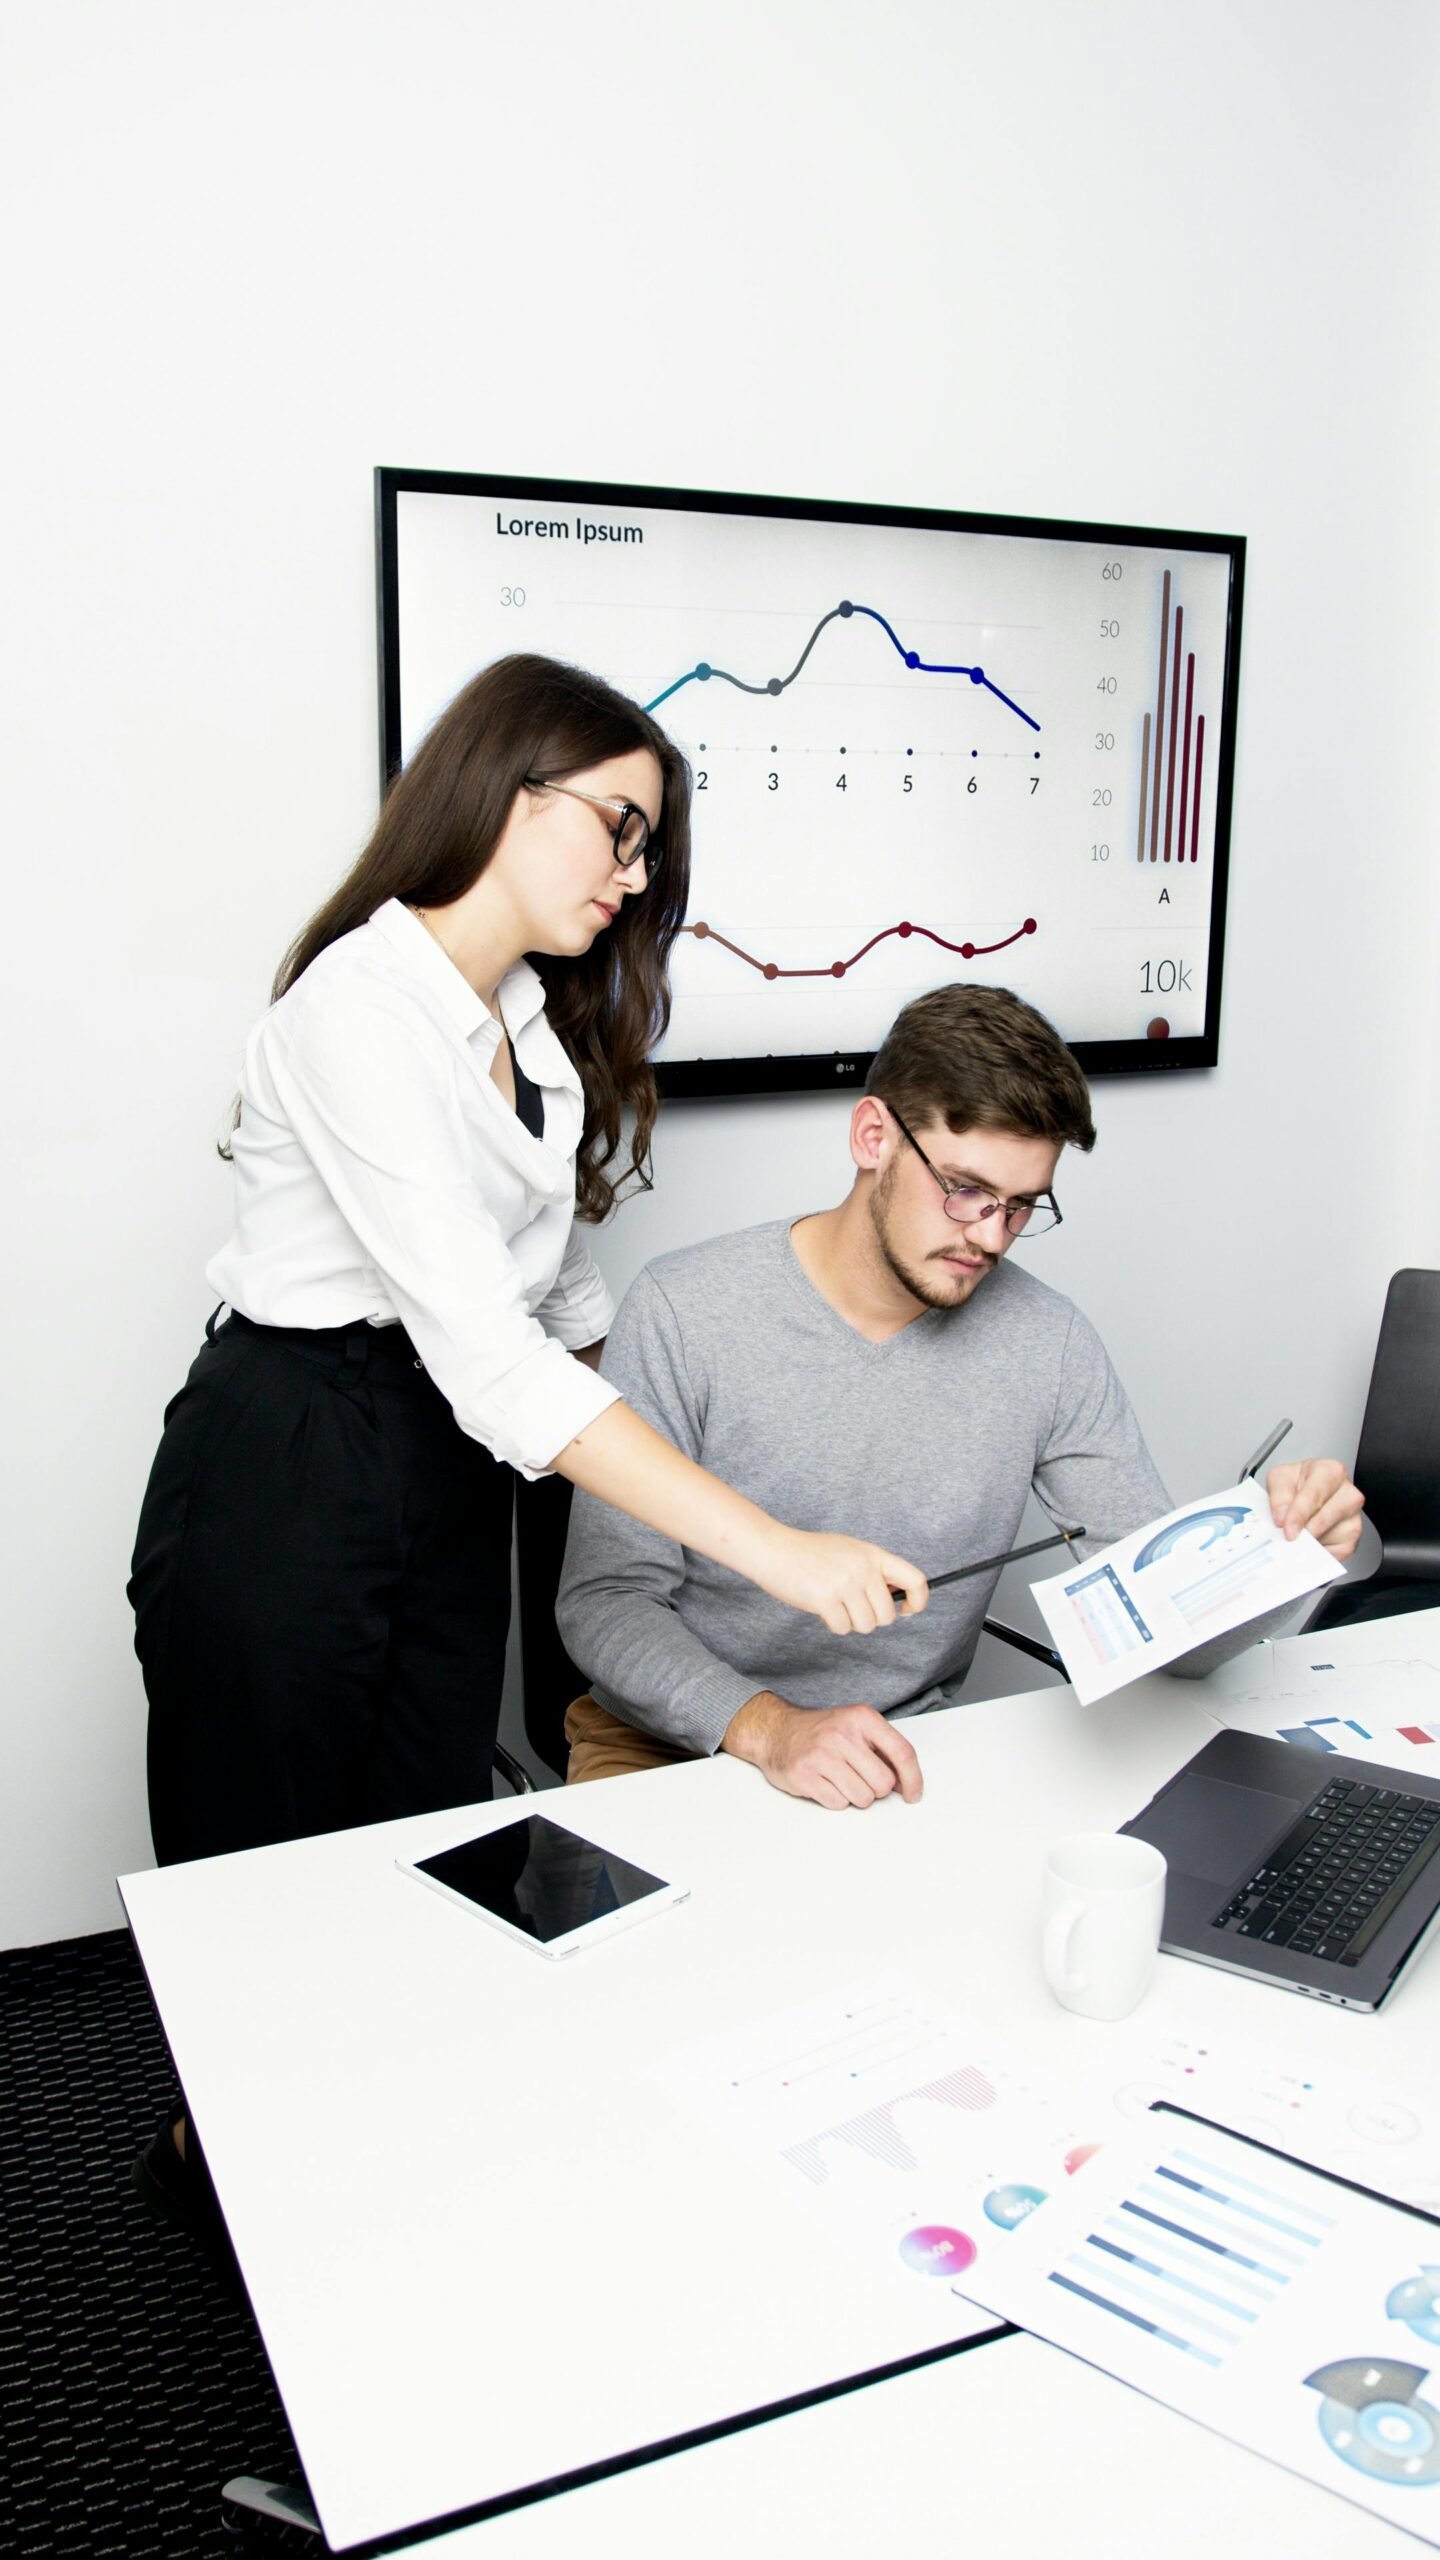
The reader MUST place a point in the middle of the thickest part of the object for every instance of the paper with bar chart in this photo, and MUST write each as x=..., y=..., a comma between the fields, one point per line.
x=1198, y=1572
x=919, y=754
x=913, y=2138
x=1296, y=1691
x=1278, y=2306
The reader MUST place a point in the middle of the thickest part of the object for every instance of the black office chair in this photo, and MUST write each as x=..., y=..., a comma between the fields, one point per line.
x=551, y=1680
x=1397, y=1465
x=1031, y=1645
x=514, y=1772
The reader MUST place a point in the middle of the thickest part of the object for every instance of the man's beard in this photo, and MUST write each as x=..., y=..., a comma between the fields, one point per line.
x=927, y=1286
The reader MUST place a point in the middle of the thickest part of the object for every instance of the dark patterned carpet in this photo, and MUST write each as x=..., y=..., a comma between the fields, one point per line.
x=132, y=2379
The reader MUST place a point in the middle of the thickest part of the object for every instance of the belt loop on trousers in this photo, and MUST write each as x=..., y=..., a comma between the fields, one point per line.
x=357, y=1351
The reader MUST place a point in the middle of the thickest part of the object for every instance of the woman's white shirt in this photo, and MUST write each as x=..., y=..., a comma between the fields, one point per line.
x=381, y=1174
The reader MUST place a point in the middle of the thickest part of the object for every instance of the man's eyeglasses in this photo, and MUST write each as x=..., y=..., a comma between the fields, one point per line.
x=969, y=1206
x=630, y=835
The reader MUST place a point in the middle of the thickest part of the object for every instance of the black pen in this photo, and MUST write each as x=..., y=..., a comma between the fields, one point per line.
x=986, y=1564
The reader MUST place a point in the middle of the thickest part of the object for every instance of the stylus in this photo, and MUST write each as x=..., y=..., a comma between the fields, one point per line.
x=985, y=1564
x=1267, y=1448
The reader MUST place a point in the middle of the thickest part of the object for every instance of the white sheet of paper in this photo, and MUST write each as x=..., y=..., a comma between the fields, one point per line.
x=1203, y=1569
x=1292, y=1690
x=1284, y=2310
x=914, y=2138
x=1383, y=2132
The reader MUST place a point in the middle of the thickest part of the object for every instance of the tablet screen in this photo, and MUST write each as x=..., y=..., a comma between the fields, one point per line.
x=542, y=1879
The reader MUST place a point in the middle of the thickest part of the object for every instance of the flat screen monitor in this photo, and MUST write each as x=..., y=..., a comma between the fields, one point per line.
x=925, y=746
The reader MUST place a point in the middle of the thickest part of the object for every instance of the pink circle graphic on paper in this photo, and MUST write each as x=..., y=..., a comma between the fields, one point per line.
x=936, y=2250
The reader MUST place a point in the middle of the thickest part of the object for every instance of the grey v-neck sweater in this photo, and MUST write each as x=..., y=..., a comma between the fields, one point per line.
x=927, y=1443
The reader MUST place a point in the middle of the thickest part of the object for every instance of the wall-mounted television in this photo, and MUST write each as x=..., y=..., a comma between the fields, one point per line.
x=925, y=746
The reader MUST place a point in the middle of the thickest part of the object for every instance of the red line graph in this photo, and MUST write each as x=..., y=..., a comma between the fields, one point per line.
x=838, y=968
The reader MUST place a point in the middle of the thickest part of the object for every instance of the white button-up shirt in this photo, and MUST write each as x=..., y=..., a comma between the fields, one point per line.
x=380, y=1173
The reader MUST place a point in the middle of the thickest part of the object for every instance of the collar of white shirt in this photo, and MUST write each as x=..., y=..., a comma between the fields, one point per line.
x=520, y=993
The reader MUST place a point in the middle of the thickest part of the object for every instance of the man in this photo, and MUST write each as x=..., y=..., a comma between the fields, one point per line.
x=884, y=1368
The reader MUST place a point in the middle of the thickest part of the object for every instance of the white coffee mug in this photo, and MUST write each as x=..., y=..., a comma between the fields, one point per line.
x=1103, y=1904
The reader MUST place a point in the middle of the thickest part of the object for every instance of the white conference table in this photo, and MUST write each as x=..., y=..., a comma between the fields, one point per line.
x=486, y=2250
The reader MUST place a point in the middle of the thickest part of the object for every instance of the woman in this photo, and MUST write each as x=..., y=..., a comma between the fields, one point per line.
x=321, y=1579
x=322, y=1576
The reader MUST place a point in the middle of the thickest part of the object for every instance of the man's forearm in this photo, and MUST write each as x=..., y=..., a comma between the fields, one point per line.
x=753, y=1726
x=617, y=1619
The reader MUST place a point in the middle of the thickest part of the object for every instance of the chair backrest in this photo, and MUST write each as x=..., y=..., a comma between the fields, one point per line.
x=1397, y=1465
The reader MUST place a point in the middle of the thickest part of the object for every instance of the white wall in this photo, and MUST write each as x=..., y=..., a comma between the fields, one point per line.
x=1107, y=260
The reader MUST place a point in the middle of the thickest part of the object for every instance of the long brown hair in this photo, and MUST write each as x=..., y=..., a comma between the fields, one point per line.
x=529, y=718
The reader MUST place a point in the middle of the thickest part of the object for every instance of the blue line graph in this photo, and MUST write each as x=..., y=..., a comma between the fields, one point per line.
x=704, y=673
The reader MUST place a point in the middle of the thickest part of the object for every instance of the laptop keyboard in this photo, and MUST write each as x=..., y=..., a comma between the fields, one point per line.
x=1331, y=1884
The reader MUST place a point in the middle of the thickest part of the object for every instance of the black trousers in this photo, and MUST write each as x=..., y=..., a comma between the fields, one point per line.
x=321, y=1586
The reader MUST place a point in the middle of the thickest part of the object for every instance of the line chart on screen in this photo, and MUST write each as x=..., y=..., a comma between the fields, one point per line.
x=919, y=750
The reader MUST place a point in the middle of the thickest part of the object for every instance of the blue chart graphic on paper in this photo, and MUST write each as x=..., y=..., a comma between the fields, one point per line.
x=1104, y=1606
x=1372, y=2416
x=1198, y=1529
x=1011, y=2205
x=706, y=674
x=1417, y=2303
x=1195, y=2256
x=1316, y=1731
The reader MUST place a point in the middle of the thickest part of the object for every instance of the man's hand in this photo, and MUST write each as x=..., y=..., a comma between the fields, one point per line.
x=835, y=1756
x=1316, y=1494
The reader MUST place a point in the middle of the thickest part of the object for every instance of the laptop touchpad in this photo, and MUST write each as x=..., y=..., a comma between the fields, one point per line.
x=1206, y=1827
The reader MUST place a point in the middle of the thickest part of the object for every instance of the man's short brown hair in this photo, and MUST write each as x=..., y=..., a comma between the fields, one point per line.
x=981, y=1058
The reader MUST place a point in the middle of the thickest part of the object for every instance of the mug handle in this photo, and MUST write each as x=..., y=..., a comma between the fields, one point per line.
x=1060, y=1929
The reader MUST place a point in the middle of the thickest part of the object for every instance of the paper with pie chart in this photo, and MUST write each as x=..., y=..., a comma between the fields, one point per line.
x=1293, y=2313
x=912, y=2136
x=1209, y=1567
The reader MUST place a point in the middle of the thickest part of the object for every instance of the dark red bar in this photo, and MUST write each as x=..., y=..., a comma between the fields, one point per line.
x=1174, y=725
x=1195, y=812
x=1185, y=756
x=1159, y=715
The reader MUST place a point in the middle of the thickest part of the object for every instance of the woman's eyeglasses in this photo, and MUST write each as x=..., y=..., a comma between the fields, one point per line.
x=630, y=836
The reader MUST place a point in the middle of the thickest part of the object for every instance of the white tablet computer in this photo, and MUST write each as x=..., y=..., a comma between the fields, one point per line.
x=544, y=1885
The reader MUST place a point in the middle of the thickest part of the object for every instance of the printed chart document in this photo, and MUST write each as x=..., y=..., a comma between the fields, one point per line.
x=1294, y=1691
x=1364, y=2125
x=914, y=2138
x=1197, y=1573
x=1291, y=2313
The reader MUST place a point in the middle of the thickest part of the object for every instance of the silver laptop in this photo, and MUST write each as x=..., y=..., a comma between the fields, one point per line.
x=1305, y=1868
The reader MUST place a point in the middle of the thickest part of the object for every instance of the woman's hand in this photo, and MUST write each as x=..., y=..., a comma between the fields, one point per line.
x=845, y=1581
